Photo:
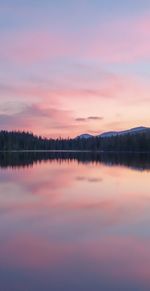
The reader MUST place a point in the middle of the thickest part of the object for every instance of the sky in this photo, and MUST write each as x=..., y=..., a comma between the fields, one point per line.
x=74, y=66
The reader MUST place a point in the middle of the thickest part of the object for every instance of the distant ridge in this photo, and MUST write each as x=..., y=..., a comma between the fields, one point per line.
x=85, y=136
x=132, y=131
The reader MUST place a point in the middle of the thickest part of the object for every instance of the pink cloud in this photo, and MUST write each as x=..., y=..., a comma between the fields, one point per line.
x=50, y=103
x=119, y=40
x=122, y=40
x=38, y=117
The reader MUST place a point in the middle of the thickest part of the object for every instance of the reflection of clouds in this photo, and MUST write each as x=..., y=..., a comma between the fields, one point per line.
x=107, y=261
x=40, y=179
x=55, y=186
x=58, y=217
x=89, y=179
x=94, y=180
x=80, y=178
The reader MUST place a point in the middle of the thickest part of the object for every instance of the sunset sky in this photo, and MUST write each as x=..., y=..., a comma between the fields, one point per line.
x=74, y=66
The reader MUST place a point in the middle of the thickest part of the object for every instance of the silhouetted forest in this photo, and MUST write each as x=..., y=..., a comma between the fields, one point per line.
x=15, y=141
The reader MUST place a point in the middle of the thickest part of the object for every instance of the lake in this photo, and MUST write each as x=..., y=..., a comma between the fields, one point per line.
x=74, y=221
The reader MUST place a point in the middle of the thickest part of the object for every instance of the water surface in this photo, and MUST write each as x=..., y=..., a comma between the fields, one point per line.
x=74, y=222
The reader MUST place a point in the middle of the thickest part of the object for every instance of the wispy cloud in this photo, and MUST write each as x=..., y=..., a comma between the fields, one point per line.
x=39, y=119
x=123, y=41
x=60, y=84
x=90, y=118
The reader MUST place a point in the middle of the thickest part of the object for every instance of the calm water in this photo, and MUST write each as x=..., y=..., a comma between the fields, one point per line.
x=74, y=224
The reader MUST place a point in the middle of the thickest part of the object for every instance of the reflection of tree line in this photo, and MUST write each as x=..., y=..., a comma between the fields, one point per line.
x=139, y=161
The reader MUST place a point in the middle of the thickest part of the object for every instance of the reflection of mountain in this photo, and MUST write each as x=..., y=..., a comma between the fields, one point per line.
x=136, y=161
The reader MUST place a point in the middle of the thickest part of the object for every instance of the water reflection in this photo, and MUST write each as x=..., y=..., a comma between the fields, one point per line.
x=74, y=224
x=138, y=161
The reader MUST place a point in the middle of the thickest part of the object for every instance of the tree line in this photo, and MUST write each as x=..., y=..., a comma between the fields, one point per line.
x=25, y=141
